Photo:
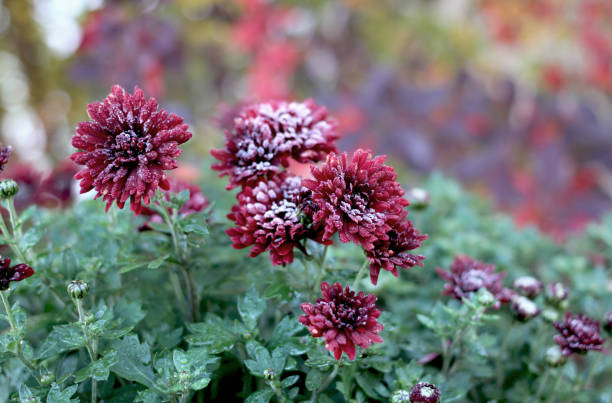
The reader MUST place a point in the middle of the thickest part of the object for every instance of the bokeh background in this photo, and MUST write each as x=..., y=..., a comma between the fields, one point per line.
x=512, y=97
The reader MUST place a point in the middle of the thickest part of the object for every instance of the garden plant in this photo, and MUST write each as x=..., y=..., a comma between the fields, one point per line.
x=303, y=274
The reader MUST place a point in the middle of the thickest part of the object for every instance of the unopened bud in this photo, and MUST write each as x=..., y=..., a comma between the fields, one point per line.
x=550, y=315
x=269, y=374
x=554, y=356
x=418, y=198
x=78, y=289
x=8, y=189
x=424, y=393
x=47, y=378
x=528, y=286
x=524, y=308
x=485, y=298
x=401, y=396
x=556, y=292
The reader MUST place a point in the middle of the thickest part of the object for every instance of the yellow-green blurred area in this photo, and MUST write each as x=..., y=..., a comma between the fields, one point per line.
x=510, y=96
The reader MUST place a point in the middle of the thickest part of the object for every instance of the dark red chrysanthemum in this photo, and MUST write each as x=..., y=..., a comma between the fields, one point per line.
x=424, y=392
x=196, y=202
x=578, y=334
x=343, y=319
x=357, y=198
x=18, y=272
x=266, y=135
x=274, y=215
x=5, y=153
x=126, y=148
x=394, y=252
x=467, y=275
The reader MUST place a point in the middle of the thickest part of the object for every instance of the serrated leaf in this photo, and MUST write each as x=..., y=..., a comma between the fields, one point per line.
x=56, y=395
x=213, y=334
x=133, y=361
x=99, y=369
x=289, y=381
x=62, y=338
x=314, y=378
x=31, y=237
x=261, y=396
x=250, y=308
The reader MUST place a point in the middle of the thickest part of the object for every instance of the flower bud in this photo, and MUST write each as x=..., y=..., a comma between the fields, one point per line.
x=485, y=298
x=556, y=292
x=528, y=286
x=8, y=189
x=400, y=396
x=47, y=378
x=418, y=198
x=607, y=324
x=550, y=315
x=78, y=289
x=555, y=357
x=524, y=308
x=424, y=393
x=269, y=374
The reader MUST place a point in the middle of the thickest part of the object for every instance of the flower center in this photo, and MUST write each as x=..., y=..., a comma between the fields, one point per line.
x=129, y=147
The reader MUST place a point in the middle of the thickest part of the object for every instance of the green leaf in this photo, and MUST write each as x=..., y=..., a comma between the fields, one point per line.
x=262, y=359
x=56, y=395
x=213, y=333
x=261, y=396
x=62, y=338
x=289, y=381
x=286, y=328
x=31, y=237
x=25, y=392
x=98, y=370
x=314, y=378
x=250, y=307
x=133, y=361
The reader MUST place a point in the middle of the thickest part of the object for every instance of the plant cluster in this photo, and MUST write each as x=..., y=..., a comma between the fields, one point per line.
x=153, y=305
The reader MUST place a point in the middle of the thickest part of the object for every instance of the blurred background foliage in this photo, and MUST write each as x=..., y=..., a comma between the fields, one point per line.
x=511, y=97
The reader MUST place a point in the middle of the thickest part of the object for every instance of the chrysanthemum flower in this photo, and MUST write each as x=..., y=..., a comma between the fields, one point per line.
x=126, y=148
x=467, y=275
x=528, y=286
x=394, y=252
x=424, y=392
x=356, y=198
x=266, y=135
x=196, y=202
x=5, y=153
x=343, y=319
x=578, y=334
x=10, y=273
x=275, y=215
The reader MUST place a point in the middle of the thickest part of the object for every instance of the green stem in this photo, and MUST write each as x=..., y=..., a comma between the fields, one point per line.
x=275, y=385
x=499, y=363
x=90, y=345
x=553, y=391
x=542, y=384
x=18, y=351
x=325, y=383
x=591, y=373
x=360, y=274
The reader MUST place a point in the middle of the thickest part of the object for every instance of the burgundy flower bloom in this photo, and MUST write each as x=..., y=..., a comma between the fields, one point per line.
x=18, y=272
x=126, y=148
x=357, y=198
x=343, y=319
x=196, y=202
x=393, y=252
x=5, y=153
x=275, y=215
x=467, y=275
x=266, y=135
x=424, y=392
x=578, y=334
x=528, y=286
